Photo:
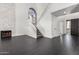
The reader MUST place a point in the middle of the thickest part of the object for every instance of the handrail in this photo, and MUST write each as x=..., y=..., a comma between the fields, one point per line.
x=40, y=29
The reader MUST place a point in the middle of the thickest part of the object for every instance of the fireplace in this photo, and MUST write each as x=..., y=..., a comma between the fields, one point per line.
x=6, y=34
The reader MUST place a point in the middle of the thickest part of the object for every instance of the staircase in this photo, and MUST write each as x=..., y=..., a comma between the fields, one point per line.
x=34, y=26
x=39, y=34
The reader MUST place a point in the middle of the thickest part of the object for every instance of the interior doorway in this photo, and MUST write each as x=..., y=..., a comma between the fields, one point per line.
x=33, y=16
x=68, y=26
x=61, y=25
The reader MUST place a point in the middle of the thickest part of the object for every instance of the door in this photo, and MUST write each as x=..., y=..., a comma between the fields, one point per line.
x=68, y=26
x=74, y=27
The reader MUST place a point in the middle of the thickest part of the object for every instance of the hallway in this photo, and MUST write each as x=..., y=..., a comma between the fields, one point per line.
x=25, y=45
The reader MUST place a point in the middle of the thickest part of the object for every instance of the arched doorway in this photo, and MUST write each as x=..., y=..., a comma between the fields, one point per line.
x=32, y=14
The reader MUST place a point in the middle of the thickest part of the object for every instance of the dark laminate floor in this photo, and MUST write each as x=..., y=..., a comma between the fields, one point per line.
x=25, y=45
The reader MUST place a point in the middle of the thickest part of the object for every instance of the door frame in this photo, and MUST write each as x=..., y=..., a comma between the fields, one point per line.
x=66, y=26
x=61, y=27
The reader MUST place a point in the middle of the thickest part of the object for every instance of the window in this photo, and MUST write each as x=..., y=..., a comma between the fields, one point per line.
x=33, y=16
x=68, y=24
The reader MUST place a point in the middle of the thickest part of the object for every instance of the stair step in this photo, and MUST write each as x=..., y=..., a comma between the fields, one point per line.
x=39, y=36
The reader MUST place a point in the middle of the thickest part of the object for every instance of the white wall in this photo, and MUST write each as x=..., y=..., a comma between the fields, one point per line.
x=41, y=7
x=20, y=17
x=7, y=17
x=15, y=18
x=47, y=19
x=23, y=24
x=45, y=24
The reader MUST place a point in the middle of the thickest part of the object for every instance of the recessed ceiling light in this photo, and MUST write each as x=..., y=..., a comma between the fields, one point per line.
x=64, y=12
